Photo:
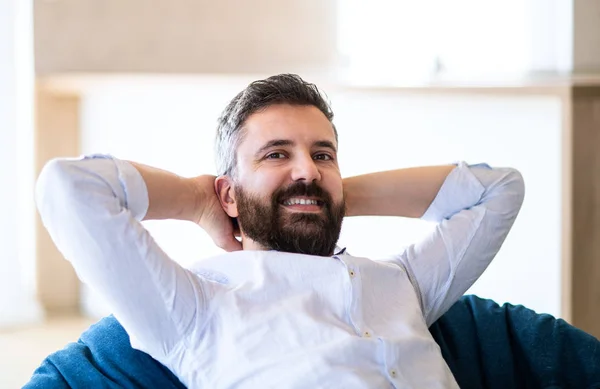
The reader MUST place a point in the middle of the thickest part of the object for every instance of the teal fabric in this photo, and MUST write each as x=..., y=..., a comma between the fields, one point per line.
x=484, y=344
x=102, y=358
x=491, y=346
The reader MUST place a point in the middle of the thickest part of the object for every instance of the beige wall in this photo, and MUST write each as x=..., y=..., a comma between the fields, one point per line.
x=57, y=135
x=184, y=36
x=232, y=36
x=586, y=35
x=585, y=232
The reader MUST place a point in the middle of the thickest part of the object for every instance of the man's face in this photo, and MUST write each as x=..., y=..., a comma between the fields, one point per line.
x=288, y=186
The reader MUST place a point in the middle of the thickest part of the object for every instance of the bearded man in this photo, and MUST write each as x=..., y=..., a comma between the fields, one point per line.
x=283, y=307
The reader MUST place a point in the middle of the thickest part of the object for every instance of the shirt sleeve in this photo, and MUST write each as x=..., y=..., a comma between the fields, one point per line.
x=92, y=208
x=475, y=209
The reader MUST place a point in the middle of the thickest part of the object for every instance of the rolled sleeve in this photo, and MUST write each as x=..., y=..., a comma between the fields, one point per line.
x=460, y=190
x=92, y=209
x=474, y=210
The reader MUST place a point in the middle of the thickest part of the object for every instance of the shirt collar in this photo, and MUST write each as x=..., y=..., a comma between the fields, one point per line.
x=341, y=251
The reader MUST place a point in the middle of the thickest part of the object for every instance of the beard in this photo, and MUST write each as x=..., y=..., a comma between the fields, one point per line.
x=270, y=225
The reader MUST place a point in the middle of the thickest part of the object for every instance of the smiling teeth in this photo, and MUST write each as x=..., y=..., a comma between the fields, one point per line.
x=300, y=201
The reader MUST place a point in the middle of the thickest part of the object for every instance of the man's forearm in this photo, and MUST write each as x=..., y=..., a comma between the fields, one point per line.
x=170, y=196
x=402, y=192
x=194, y=199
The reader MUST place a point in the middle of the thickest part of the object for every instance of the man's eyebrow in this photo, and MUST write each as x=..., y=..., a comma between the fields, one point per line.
x=327, y=144
x=274, y=143
x=287, y=142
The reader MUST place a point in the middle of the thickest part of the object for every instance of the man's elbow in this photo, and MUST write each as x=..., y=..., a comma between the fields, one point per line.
x=514, y=188
x=55, y=185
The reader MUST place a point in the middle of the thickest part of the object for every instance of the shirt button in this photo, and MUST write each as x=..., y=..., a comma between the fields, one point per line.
x=367, y=334
x=352, y=273
x=394, y=373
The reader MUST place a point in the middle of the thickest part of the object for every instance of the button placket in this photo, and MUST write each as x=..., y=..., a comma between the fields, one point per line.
x=390, y=366
x=355, y=291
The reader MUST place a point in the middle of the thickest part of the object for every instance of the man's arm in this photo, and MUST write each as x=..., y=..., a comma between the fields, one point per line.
x=92, y=208
x=474, y=206
x=170, y=196
x=402, y=192
x=193, y=199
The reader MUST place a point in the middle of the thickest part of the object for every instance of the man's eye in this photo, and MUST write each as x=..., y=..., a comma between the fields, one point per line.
x=275, y=156
x=323, y=157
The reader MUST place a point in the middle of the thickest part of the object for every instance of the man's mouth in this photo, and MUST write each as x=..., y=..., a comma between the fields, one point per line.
x=303, y=204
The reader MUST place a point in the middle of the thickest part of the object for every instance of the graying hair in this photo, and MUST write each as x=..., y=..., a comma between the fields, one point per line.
x=279, y=89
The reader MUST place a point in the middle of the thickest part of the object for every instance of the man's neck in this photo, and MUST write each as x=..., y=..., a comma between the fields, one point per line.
x=249, y=244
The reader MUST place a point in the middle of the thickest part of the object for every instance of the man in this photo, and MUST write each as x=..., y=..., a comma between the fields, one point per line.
x=282, y=308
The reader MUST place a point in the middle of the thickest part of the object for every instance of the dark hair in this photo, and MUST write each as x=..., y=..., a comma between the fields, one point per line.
x=279, y=89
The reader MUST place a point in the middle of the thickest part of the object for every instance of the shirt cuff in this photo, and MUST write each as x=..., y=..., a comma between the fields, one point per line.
x=133, y=185
x=461, y=190
x=135, y=188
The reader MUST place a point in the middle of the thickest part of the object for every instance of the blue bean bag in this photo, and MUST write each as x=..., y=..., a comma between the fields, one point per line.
x=485, y=345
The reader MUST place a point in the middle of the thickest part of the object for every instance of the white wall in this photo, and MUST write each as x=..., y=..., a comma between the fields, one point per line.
x=172, y=125
x=17, y=239
x=388, y=130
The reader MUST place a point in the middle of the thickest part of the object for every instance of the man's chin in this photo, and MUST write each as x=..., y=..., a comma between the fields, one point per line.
x=314, y=220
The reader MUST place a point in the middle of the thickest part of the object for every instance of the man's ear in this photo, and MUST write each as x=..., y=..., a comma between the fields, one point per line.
x=226, y=195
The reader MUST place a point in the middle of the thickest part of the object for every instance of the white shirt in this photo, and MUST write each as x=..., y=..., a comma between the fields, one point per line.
x=267, y=319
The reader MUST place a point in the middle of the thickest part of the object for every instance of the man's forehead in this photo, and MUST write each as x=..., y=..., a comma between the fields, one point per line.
x=285, y=122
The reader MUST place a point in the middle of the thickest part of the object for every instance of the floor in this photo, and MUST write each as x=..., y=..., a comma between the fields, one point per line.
x=22, y=350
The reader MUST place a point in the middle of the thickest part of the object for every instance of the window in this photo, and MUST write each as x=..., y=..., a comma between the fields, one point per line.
x=404, y=40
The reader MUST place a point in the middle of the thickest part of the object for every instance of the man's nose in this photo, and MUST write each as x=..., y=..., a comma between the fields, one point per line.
x=305, y=169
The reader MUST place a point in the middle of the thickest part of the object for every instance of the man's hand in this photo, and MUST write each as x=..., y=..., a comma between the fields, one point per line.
x=212, y=218
x=194, y=199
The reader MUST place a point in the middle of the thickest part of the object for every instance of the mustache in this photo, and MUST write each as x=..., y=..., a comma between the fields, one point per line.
x=302, y=189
